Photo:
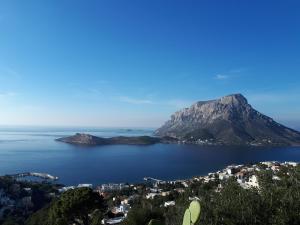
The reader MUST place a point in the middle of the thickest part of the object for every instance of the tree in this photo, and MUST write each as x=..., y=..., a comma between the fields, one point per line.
x=73, y=206
x=97, y=217
x=38, y=218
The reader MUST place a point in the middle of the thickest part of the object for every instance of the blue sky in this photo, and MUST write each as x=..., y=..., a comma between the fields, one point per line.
x=133, y=63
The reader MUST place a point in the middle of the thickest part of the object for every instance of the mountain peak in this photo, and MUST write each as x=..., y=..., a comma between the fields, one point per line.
x=234, y=99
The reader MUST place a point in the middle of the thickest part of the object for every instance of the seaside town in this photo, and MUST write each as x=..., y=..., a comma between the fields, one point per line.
x=19, y=196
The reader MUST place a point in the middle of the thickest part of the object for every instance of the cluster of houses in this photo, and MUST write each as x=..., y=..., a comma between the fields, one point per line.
x=245, y=175
x=153, y=192
x=120, y=211
x=112, y=187
x=122, y=203
x=8, y=203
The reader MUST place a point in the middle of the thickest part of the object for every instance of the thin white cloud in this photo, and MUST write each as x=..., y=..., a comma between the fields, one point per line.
x=237, y=70
x=221, y=77
x=8, y=94
x=229, y=74
x=135, y=100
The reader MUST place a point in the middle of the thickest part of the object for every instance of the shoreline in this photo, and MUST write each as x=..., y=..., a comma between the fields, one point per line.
x=47, y=178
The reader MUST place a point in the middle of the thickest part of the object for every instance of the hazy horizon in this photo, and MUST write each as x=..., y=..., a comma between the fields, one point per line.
x=133, y=64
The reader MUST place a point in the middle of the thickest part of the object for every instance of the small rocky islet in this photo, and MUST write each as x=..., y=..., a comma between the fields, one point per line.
x=87, y=139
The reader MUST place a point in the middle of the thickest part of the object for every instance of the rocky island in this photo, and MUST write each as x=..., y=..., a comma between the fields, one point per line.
x=229, y=120
x=87, y=139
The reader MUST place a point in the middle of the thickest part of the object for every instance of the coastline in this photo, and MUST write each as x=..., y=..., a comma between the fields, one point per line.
x=125, y=196
x=50, y=178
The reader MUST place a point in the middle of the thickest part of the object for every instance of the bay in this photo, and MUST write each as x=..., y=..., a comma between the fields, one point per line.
x=25, y=149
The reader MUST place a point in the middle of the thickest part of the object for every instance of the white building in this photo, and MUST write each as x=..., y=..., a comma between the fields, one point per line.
x=291, y=163
x=169, y=203
x=151, y=195
x=253, y=182
x=85, y=185
x=123, y=208
x=185, y=184
x=116, y=220
x=195, y=198
x=229, y=171
x=223, y=176
x=112, y=187
x=276, y=178
x=66, y=188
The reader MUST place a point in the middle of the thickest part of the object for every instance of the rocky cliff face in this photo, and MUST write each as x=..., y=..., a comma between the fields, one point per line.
x=229, y=120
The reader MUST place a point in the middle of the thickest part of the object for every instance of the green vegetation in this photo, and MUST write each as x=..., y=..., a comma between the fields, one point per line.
x=23, y=203
x=73, y=206
x=139, y=216
x=277, y=202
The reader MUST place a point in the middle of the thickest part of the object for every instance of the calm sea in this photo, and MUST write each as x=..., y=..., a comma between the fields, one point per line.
x=35, y=150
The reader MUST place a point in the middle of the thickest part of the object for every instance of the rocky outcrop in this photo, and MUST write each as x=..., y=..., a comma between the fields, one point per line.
x=83, y=139
x=229, y=120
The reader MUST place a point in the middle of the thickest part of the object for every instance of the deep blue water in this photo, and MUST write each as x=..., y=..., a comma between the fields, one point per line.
x=35, y=150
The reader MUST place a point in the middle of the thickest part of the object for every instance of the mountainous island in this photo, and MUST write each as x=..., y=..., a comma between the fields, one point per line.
x=229, y=120
x=87, y=139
